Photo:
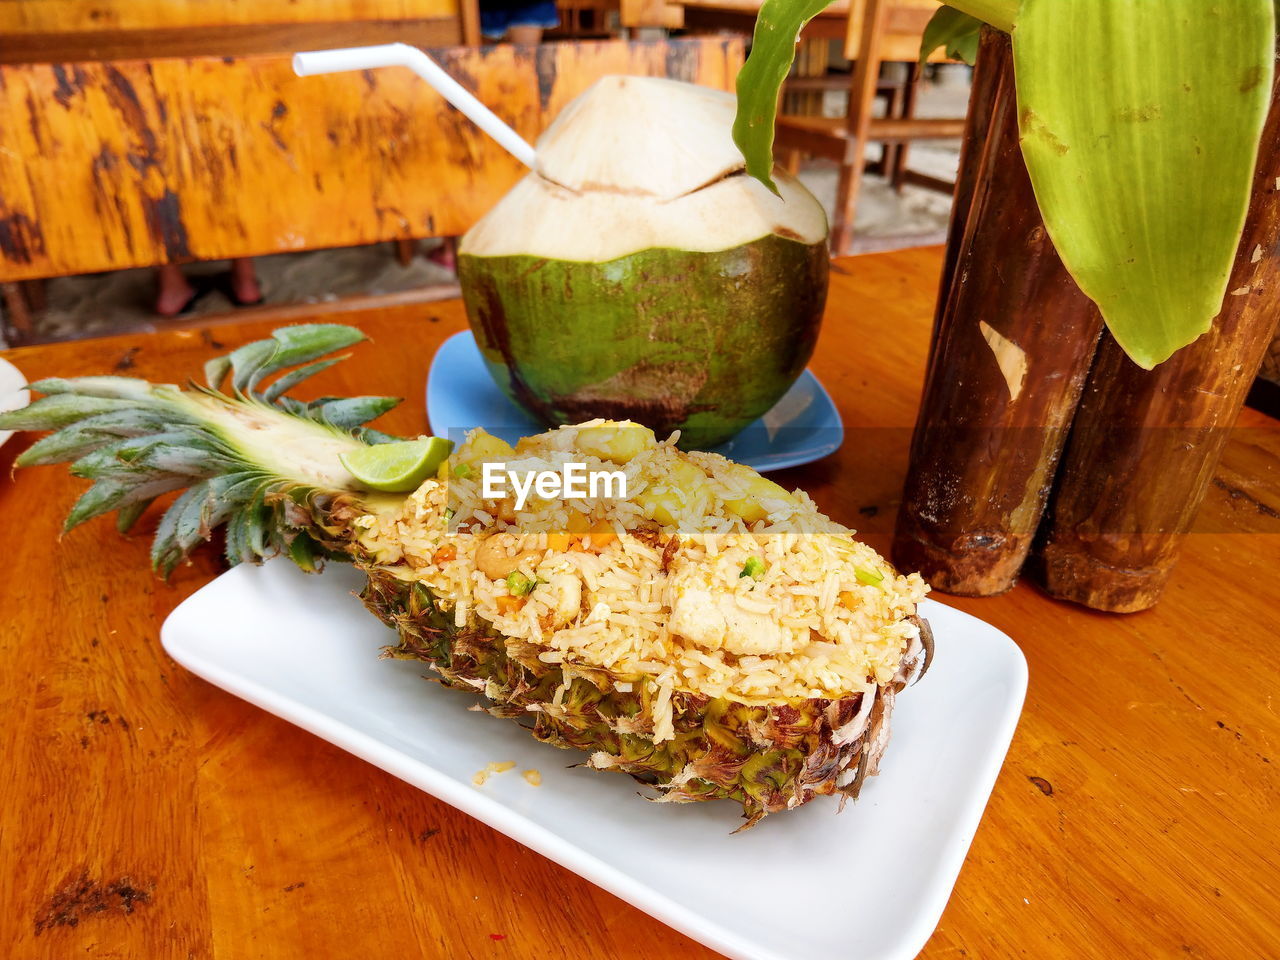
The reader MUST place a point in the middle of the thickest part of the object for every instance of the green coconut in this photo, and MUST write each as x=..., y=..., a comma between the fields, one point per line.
x=639, y=274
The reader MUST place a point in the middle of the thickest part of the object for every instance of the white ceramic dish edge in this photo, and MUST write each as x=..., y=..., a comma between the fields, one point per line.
x=474, y=804
x=13, y=393
x=932, y=900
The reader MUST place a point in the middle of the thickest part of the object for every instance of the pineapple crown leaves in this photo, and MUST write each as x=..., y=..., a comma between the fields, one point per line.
x=230, y=450
x=288, y=347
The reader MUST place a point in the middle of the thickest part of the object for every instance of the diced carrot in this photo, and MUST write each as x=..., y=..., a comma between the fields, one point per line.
x=849, y=599
x=445, y=554
x=578, y=522
x=600, y=537
x=558, y=541
x=509, y=604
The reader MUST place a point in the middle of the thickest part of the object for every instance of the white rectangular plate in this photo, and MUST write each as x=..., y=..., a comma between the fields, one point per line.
x=879, y=874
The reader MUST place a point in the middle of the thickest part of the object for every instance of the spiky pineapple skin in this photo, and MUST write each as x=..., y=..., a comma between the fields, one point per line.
x=768, y=758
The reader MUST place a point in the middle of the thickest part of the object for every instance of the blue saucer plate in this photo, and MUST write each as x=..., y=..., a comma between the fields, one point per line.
x=802, y=427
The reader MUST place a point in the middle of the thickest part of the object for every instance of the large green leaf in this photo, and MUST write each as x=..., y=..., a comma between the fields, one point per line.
x=773, y=48
x=1140, y=123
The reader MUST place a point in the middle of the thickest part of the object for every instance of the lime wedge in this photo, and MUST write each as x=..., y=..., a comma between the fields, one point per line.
x=397, y=467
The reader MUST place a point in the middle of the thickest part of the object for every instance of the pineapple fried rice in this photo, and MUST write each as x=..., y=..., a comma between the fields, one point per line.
x=704, y=631
x=706, y=578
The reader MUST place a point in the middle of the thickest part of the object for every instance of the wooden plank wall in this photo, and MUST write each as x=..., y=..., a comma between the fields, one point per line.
x=109, y=165
x=64, y=16
x=61, y=31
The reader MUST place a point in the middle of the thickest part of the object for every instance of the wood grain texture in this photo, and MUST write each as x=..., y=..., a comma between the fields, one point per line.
x=148, y=162
x=1135, y=816
x=650, y=13
x=228, y=40
x=905, y=21
x=59, y=16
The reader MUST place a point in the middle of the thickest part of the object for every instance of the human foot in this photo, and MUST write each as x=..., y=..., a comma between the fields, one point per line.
x=446, y=255
x=244, y=287
x=174, y=293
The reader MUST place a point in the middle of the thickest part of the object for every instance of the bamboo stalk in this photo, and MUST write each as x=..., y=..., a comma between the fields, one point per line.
x=1146, y=444
x=977, y=127
x=1013, y=341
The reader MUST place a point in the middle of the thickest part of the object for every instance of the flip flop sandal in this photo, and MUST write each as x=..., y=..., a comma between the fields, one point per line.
x=201, y=287
x=228, y=289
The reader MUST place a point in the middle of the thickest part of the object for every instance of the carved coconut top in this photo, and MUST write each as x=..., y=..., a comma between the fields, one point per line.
x=637, y=163
x=641, y=136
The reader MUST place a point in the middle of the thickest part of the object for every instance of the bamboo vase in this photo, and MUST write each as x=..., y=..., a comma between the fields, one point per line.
x=1146, y=443
x=1013, y=341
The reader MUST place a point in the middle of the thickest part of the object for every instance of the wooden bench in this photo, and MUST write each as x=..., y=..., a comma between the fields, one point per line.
x=60, y=31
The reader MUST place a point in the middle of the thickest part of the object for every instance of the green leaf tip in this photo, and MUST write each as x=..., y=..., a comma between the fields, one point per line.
x=773, y=48
x=1001, y=14
x=1143, y=170
x=286, y=347
x=955, y=31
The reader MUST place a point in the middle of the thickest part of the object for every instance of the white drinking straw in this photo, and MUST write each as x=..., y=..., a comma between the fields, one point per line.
x=402, y=55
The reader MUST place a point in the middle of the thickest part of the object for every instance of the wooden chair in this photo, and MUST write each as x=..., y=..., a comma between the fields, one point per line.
x=585, y=20
x=878, y=31
x=107, y=165
x=640, y=14
x=47, y=31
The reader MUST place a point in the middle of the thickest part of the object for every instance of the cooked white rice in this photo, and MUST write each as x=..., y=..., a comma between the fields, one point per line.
x=825, y=616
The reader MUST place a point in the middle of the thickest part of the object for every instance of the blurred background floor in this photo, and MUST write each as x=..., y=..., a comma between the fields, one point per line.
x=96, y=305
x=102, y=304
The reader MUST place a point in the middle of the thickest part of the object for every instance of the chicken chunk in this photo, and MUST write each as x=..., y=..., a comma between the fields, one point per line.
x=566, y=589
x=719, y=622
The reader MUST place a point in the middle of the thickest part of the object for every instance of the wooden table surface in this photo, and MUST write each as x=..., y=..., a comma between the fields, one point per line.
x=147, y=814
